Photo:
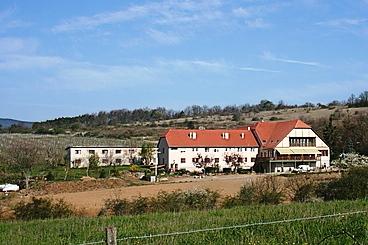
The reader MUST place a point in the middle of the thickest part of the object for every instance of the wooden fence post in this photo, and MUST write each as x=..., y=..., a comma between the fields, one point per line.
x=111, y=234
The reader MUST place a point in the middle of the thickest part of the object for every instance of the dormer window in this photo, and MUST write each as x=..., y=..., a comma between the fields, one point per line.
x=192, y=135
x=242, y=135
x=225, y=135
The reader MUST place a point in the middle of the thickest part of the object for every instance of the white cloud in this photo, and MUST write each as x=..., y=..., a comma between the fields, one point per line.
x=257, y=10
x=164, y=37
x=255, y=69
x=11, y=45
x=164, y=13
x=24, y=62
x=54, y=72
x=90, y=22
x=219, y=66
x=344, y=22
x=241, y=12
x=257, y=23
x=270, y=56
x=7, y=20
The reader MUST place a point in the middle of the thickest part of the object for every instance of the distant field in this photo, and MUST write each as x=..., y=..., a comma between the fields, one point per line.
x=352, y=229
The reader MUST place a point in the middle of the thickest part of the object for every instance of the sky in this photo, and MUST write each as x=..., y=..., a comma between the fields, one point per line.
x=66, y=58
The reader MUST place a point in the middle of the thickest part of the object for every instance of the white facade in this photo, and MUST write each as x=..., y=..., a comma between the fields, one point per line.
x=177, y=158
x=309, y=149
x=322, y=160
x=78, y=156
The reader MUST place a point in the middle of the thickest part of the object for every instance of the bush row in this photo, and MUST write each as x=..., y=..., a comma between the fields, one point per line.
x=164, y=202
x=270, y=190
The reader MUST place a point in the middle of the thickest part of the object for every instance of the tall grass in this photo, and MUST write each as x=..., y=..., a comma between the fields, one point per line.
x=79, y=230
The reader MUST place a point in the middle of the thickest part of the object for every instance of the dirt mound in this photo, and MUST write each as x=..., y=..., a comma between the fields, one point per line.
x=87, y=184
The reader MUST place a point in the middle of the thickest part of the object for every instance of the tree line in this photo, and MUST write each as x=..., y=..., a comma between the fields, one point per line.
x=125, y=116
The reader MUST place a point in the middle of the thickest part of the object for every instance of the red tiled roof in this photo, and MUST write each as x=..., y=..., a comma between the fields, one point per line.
x=270, y=134
x=210, y=138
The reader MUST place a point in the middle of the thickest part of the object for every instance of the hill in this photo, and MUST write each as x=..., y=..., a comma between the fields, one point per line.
x=6, y=123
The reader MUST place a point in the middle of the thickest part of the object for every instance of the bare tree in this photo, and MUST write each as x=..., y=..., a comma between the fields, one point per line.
x=234, y=160
x=22, y=156
x=204, y=162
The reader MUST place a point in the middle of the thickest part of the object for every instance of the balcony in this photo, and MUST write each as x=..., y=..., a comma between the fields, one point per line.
x=294, y=158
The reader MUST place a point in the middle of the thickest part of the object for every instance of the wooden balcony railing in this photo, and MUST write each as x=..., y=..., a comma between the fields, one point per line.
x=294, y=158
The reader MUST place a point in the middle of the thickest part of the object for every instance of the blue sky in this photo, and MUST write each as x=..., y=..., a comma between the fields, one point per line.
x=64, y=58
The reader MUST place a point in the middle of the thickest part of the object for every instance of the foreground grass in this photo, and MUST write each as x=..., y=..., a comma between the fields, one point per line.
x=338, y=230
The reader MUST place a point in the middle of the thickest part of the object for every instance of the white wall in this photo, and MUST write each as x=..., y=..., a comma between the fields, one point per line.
x=320, y=145
x=125, y=155
x=175, y=156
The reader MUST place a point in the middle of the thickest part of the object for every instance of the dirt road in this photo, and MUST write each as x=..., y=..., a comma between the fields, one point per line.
x=92, y=201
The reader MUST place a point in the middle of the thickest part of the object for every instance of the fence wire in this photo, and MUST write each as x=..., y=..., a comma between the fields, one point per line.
x=177, y=233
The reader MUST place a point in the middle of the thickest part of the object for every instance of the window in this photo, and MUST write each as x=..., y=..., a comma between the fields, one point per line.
x=77, y=151
x=240, y=149
x=77, y=162
x=118, y=161
x=131, y=150
x=105, y=161
x=182, y=160
x=206, y=149
x=91, y=151
x=217, y=160
x=215, y=150
x=302, y=141
x=117, y=151
x=253, y=159
x=195, y=160
x=324, y=153
x=192, y=135
x=105, y=151
x=240, y=159
x=163, y=150
x=207, y=160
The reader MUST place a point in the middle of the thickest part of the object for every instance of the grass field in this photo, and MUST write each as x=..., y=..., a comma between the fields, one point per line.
x=338, y=230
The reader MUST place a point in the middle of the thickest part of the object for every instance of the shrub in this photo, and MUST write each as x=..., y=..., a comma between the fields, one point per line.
x=102, y=174
x=201, y=200
x=352, y=185
x=271, y=197
x=50, y=176
x=305, y=193
x=247, y=194
x=170, y=202
x=262, y=191
x=302, y=188
x=140, y=205
x=134, y=168
x=115, y=207
x=270, y=190
x=164, y=202
x=41, y=208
